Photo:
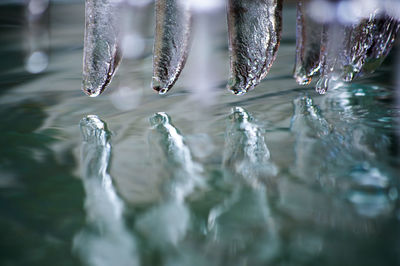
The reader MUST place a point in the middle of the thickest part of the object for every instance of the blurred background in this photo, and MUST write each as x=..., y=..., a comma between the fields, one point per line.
x=278, y=176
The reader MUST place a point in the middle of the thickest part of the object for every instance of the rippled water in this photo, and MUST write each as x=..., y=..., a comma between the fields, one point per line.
x=280, y=176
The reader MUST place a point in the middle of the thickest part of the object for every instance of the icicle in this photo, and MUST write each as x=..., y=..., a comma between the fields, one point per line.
x=383, y=34
x=101, y=52
x=254, y=37
x=308, y=44
x=171, y=43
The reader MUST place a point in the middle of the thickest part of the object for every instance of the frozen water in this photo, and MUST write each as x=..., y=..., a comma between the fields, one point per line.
x=254, y=36
x=171, y=43
x=101, y=52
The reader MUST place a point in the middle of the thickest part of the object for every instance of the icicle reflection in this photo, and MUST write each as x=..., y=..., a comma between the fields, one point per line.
x=244, y=219
x=181, y=177
x=106, y=240
x=245, y=150
x=341, y=158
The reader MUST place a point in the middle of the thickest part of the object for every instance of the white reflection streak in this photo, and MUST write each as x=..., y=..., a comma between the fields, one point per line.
x=37, y=35
x=106, y=240
x=202, y=73
x=202, y=69
x=133, y=19
x=167, y=223
x=37, y=7
x=205, y=5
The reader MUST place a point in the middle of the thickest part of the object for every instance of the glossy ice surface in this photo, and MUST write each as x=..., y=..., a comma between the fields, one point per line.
x=102, y=48
x=254, y=37
x=278, y=176
x=308, y=45
x=171, y=42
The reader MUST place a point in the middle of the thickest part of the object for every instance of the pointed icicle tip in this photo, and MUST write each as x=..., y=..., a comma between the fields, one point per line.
x=303, y=80
x=157, y=85
x=91, y=92
x=235, y=87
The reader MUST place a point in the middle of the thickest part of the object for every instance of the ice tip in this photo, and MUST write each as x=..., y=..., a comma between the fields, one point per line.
x=303, y=80
x=91, y=92
x=301, y=76
x=160, y=90
x=237, y=90
x=158, y=86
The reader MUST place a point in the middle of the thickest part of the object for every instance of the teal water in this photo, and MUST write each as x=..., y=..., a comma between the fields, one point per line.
x=279, y=176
